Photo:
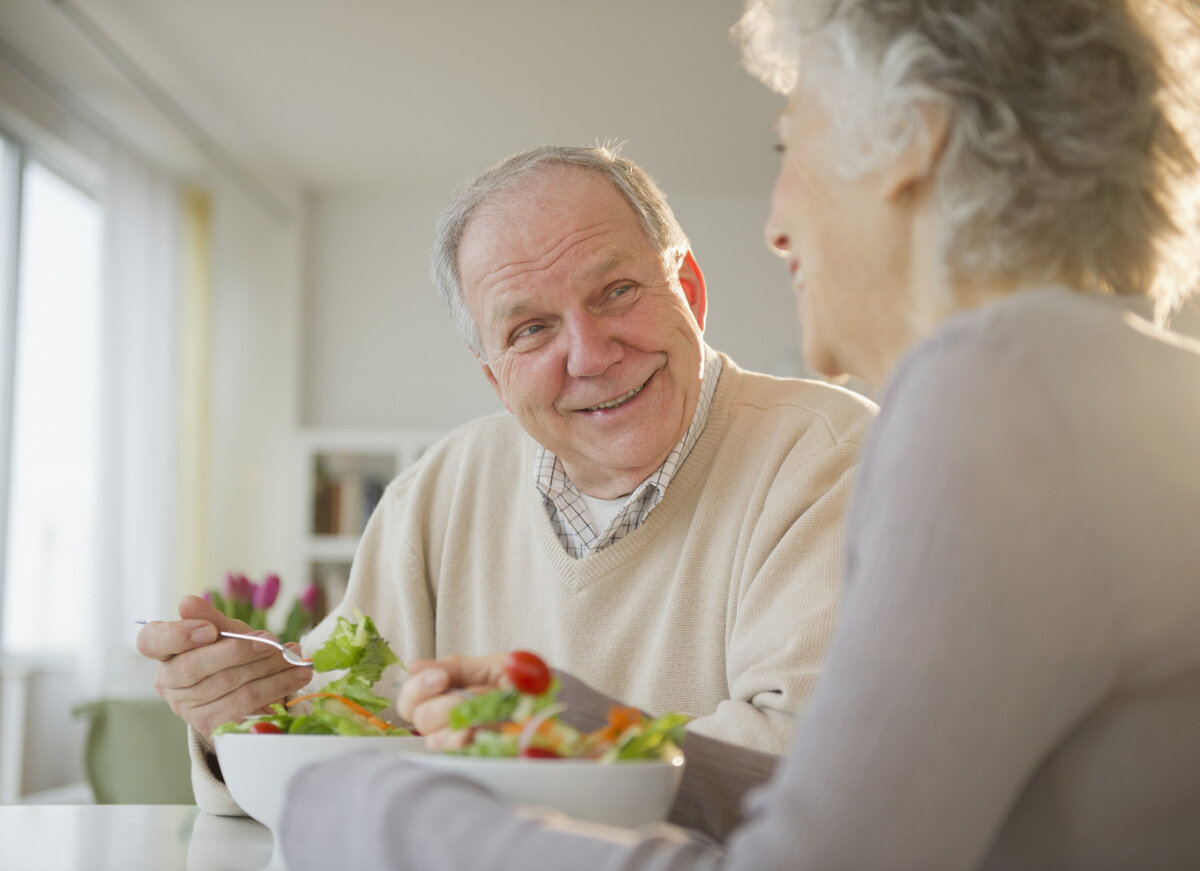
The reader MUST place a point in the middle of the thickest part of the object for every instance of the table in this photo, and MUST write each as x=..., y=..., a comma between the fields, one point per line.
x=116, y=837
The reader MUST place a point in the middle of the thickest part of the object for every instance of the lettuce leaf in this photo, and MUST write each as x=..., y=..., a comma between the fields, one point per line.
x=500, y=706
x=657, y=739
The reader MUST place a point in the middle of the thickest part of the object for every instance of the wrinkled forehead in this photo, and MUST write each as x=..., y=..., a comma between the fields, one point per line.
x=551, y=186
x=528, y=214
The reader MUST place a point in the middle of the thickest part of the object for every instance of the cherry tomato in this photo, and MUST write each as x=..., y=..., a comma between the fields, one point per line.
x=539, y=753
x=266, y=727
x=527, y=671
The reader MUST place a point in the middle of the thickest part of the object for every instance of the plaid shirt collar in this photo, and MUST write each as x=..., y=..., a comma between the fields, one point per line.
x=565, y=504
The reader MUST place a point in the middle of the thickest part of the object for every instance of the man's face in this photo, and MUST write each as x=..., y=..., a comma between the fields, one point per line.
x=589, y=339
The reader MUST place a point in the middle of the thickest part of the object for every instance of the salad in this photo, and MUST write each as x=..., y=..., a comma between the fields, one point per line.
x=522, y=721
x=346, y=706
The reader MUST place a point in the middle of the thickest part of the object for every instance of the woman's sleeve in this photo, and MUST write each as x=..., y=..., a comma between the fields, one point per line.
x=717, y=775
x=372, y=811
x=973, y=634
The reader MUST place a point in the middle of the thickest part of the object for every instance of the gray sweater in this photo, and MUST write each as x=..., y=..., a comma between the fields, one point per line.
x=1015, y=677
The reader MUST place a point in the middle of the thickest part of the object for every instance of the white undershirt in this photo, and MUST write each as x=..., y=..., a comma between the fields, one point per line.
x=602, y=511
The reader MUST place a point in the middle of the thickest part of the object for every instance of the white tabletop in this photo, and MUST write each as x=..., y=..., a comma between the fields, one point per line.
x=82, y=837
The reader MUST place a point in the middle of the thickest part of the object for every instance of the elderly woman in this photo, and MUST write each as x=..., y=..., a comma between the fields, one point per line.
x=985, y=208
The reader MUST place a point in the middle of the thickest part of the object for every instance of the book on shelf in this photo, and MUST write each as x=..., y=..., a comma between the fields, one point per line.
x=344, y=502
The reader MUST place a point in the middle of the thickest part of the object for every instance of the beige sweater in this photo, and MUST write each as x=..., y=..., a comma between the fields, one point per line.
x=720, y=605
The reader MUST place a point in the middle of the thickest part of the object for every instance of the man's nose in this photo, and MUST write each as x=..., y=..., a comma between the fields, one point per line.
x=591, y=345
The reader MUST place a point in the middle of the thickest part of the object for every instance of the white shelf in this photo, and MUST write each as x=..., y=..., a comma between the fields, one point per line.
x=330, y=548
x=352, y=466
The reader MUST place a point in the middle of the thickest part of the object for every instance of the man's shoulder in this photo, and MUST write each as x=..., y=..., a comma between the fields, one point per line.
x=469, y=447
x=494, y=433
x=499, y=424
x=759, y=399
x=477, y=466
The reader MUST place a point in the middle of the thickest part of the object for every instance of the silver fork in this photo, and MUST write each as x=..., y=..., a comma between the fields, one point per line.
x=290, y=655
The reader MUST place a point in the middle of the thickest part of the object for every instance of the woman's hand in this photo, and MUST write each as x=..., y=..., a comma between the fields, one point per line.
x=434, y=686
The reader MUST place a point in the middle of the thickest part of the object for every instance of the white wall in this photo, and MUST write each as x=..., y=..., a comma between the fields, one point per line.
x=256, y=310
x=379, y=349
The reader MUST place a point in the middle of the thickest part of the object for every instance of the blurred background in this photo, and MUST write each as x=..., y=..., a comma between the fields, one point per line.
x=217, y=338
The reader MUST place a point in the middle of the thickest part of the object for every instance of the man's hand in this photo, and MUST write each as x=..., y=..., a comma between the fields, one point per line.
x=434, y=686
x=209, y=683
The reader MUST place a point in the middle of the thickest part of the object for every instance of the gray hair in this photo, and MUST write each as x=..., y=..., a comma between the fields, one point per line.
x=629, y=179
x=1072, y=151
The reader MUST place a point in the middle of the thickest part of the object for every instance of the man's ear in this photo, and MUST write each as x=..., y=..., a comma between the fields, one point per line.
x=692, y=281
x=914, y=164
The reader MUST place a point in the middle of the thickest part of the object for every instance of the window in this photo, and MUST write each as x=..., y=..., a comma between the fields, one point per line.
x=52, y=294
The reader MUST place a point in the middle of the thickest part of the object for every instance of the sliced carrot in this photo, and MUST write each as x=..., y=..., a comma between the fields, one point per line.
x=508, y=727
x=349, y=703
x=619, y=719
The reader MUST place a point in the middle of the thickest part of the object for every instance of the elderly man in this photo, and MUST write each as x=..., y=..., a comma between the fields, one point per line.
x=651, y=518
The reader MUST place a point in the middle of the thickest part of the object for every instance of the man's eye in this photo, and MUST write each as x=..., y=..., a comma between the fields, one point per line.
x=620, y=291
x=526, y=332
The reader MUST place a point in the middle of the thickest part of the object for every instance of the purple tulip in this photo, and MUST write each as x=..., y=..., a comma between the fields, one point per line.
x=264, y=594
x=231, y=586
x=238, y=587
x=310, y=597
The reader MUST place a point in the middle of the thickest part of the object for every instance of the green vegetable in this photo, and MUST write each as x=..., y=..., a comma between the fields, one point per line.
x=508, y=723
x=658, y=739
x=499, y=706
x=359, y=649
x=493, y=744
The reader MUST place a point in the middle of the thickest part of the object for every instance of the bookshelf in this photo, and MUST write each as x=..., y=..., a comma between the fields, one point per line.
x=343, y=473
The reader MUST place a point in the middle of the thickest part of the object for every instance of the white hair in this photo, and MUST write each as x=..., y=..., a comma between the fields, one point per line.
x=1072, y=151
x=629, y=180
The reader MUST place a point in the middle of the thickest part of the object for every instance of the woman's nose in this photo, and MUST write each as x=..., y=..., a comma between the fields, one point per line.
x=777, y=239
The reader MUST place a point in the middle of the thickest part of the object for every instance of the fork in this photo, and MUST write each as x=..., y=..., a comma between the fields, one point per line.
x=290, y=655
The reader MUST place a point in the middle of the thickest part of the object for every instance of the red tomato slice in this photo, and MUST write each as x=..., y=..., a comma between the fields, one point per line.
x=539, y=753
x=266, y=727
x=528, y=672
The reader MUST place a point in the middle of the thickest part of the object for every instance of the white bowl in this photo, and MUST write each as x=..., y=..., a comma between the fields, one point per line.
x=257, y=768
x=628, y=794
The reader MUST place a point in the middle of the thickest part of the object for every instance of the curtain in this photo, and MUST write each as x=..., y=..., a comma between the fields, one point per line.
x=137, y=448
x=192, y=520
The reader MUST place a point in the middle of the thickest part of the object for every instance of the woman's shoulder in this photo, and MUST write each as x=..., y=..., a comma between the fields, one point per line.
x=1045, y=334
x=1052, y=319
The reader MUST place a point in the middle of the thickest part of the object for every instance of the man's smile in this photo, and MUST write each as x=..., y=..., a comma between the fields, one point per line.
x=616, y=403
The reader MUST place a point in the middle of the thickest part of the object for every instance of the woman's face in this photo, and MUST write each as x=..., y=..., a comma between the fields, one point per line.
x=847, y=243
